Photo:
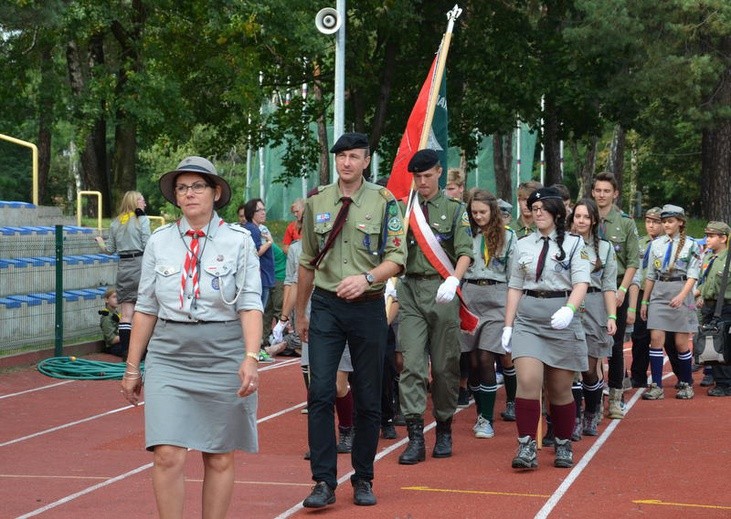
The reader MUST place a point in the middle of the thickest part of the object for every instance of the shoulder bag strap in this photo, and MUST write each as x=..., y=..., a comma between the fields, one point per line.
x=722, y=287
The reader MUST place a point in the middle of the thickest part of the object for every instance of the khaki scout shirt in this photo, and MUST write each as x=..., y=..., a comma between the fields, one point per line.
x=449, y=223
x=711, y=278
x=644, y=259
x=130, y=236
x=374, y=218
x=499, y=265
x=621, y=230
x=522, y=229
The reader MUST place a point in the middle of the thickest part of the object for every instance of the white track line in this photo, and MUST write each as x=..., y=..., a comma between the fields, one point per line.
x=586, y=458
x=107, y=482
x=36, y=389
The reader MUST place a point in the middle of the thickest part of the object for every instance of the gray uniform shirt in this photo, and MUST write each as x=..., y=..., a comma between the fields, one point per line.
x=229, y=277
x=499, y=266
x=606, y=277
x=557, y=275
x=688, y=262
x=130, y=236
x=293, y=258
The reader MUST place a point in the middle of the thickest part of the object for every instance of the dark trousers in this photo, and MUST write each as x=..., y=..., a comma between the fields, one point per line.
x=721, y=373
x=362, y=325
x=616, y=361
x=388, y=389
x=641, y=350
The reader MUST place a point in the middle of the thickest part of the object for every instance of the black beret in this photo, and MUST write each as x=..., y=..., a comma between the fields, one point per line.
x=350, y=141
x=423, y=160
x=544, y=193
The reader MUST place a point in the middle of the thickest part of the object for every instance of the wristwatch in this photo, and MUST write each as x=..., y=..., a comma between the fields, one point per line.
x=369, y=277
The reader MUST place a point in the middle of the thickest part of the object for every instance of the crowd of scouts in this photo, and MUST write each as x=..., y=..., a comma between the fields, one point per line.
x=438, y=294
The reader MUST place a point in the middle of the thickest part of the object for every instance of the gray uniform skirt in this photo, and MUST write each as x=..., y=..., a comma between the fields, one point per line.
x=488, y=303
x=534, y=337
x=661, y=316
x=345, y=363
x=594, y=321
x=191, y=380
x=128, y=279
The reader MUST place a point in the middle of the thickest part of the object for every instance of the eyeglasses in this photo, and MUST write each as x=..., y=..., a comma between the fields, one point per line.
x=198, y=188
x=535, y=209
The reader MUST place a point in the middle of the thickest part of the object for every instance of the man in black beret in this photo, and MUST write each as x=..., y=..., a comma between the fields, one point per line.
x=429, y=326
x=352, y=242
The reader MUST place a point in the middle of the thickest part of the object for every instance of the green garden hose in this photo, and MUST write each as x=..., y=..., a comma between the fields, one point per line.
x=83, y=369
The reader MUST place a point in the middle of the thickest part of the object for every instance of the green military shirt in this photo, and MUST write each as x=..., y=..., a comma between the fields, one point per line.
x=710, y=282
x=449, y=223
x=521, y=229
x=621, y=230
x=109, y=323
x=373, y=233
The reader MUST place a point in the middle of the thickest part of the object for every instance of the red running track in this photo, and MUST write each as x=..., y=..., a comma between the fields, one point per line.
x=73, y=449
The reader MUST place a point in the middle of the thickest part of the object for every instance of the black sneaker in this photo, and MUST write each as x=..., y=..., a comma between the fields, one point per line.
x=321, y=496
x=363, y=493
x=463, y=399
x=707, y=380
x=388, y=431
x=720, y=391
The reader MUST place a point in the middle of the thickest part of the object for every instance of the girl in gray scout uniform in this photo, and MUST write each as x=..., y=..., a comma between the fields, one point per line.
x=599, y=311
x=672, y=270
x=128, y=235
x=199, y=316
x=547, y=284
x=485, y=290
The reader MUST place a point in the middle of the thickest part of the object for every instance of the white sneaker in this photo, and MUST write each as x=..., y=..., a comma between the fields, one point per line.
x=499, y=378
x=483, y=428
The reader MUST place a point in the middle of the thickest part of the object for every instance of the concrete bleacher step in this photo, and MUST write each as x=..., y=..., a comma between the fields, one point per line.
x=31, y=316
x=25, y=213
x=40, y=240
x=38, y=273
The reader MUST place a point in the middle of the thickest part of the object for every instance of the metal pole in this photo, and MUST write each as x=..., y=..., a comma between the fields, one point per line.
x=58, y=336
x=338, y=116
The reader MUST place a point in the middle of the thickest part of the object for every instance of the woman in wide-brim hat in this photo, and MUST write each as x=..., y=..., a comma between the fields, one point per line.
x=199, y=301
x=673, y=268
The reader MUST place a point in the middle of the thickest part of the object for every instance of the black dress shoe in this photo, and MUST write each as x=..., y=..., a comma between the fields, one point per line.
x=321, y=495
x=363, y=493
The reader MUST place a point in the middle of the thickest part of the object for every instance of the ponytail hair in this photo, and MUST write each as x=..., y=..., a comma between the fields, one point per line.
x=681, y=244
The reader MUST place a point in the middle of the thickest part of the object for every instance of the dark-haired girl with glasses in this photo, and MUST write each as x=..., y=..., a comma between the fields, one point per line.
x=548, y=282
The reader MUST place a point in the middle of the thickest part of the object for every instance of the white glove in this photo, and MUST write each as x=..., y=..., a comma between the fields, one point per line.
x=562, y=318
x=390, y=290
x=507, y=336
x=447, y=290
x=278, y=331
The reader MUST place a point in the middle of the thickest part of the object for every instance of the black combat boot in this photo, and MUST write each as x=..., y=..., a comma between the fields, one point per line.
x=415, y=450
x=443, y=446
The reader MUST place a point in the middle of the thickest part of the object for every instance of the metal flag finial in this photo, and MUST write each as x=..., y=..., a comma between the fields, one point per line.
x=454, y=13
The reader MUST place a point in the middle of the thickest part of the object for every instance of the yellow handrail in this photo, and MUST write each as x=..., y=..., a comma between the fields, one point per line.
x=156, y=218
x=99, y=208
x=34, y=150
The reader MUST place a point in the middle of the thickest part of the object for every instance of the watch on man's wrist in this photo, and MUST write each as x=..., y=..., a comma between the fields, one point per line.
x=369, y=278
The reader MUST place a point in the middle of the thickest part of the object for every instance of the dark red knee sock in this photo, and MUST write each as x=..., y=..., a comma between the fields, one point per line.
x=563, y=417
x=527, y=413
x=344, y=408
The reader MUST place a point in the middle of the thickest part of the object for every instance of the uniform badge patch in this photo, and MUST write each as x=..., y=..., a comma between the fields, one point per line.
x=215, y=284
x=657, y=264
x=465, y=220
x=322, y=217
x=584, y=254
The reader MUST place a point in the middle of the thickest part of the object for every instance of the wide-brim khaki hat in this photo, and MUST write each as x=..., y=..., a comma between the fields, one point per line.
x=202, y=167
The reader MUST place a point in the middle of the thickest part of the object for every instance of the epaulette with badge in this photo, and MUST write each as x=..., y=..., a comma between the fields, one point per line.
x=386, y=194
x=624, y=215
x=166, y=226
x=524, y=236
x=239, y=228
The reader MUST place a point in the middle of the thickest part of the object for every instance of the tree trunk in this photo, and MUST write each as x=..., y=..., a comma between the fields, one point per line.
x=45, y=119
x=384, y=93
x=616, y=158
x=502, y=146
x=585, y=164
x=551, y=145
x=324, y=172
